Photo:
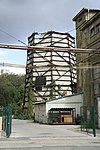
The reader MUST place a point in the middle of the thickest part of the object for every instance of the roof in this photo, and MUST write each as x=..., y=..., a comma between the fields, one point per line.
x=91, y=20
x=83, y=11
x=50, y=32
x=44, y=102
x=66, y=96
x=61, y=109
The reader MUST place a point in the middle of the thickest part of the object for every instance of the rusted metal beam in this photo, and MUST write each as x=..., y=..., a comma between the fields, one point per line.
x=36, y=48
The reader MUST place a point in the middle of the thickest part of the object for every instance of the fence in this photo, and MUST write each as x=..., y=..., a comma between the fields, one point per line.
x=88, y=119
x=7, y=120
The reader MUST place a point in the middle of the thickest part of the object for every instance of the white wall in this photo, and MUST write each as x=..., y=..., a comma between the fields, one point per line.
x=75, y=101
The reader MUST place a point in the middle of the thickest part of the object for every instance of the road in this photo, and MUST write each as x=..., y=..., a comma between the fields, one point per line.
x=33, y=136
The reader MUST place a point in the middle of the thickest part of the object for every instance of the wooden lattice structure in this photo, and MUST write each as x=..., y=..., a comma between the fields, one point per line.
x=50, y=74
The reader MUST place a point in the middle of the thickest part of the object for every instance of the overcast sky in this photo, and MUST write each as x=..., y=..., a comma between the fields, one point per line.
x=20, y=18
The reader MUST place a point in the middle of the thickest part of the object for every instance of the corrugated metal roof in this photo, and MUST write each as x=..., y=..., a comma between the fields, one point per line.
x=61, y=109
x=59, y=98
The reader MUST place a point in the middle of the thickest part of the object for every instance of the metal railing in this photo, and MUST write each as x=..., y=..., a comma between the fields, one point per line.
x=7, y=120
x=88, y=119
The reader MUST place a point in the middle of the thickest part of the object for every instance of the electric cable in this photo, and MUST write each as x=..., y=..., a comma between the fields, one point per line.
x=12, y=36
x=12, y=65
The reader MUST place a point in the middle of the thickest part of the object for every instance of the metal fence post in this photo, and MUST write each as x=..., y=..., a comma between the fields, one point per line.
x=81, y=108
x=94, y=121
x=88, y=119
x=4, y=118
x=9, y=120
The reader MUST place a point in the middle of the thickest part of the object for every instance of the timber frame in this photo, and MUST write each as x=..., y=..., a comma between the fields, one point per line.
x=50, y=74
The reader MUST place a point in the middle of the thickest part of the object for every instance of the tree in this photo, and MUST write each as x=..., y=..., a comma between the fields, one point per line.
x=12, y=92
x=32, y=100
x=11, y=89
x=8, y=93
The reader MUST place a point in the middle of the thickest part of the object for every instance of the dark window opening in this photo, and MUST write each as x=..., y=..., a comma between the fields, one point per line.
x=95, y=30
x=40, y=80
x=98, y=28
x=62, y=119
x=92, y=31
x=38, y=88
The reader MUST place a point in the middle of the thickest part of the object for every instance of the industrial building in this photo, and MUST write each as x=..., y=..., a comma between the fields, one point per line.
x=88, y=65
x=62, y=110
x=50, y=74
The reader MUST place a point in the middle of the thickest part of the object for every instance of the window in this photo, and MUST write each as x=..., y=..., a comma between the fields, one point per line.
x=96, y=77
x=98, y=85
x=98, y=28
x=39, y=82
x=92, y=31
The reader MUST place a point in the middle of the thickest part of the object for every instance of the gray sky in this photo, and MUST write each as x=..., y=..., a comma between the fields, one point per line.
x=22, y=17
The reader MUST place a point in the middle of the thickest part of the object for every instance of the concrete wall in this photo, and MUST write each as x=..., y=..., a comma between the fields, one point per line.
x=40, y=113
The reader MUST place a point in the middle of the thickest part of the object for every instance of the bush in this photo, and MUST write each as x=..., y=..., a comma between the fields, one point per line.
x=19, y=114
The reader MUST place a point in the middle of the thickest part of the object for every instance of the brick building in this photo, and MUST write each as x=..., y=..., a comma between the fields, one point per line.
x=88, y=65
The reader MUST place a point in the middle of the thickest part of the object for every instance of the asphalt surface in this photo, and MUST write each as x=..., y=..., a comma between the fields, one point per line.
x=27, y=135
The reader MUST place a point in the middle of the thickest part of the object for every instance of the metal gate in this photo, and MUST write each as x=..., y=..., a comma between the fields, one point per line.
x=88, y=119
x=7, y=120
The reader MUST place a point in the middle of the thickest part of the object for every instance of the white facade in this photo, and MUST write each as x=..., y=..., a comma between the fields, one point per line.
x=72, y=101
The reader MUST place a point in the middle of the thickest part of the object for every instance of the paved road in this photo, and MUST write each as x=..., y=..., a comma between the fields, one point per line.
x=32, y=136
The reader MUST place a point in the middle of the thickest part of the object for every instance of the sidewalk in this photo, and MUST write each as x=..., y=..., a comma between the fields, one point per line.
x=98, y=132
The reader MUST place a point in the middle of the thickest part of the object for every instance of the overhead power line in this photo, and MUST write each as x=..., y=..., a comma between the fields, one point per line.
x=13, y=36
x=3, y=64
x=72, y=30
